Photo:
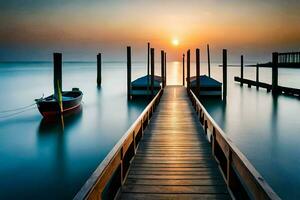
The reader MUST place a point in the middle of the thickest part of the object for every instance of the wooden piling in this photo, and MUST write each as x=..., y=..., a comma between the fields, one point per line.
x=242, y=69
x=183, y=69
x=57, y=80
x=224, y=74
x=188, y=69
x=208, y=60
x=274, y=73
x=99, y=73
x=198, y=72
x=128, y=72
x=162, y=54
x=165, y=69
x=152, y=72
x=257, y=76
x=148, y=64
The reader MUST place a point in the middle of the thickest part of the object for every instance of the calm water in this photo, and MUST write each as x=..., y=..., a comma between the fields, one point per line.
x=40, y=160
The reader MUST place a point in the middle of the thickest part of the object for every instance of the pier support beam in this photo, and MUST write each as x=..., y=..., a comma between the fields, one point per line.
x=275, y=73
x=57, y=80
x=99, y=70
x=128, y=72
x=208, y=60
x=183, y=75
x=224, y=74
x=152, y=72
x=188, y=69
x=198, y=72
x=242, y=69
x=162, y=54
x=148, y=65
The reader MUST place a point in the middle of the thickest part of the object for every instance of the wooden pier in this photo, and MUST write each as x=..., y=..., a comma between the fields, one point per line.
x=173, y=151
x=174, y=158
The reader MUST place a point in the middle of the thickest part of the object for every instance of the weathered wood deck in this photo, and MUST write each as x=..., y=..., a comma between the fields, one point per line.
x=174, y=160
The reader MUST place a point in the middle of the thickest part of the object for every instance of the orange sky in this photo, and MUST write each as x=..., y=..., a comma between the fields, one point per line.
x=80, y=29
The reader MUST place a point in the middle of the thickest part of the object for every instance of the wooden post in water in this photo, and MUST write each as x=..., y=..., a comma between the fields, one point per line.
x=224, y=74
x=128, y=72
x=148, y=65
x=274, y=73
x=99, y=75
x=208, y=60
x=257, y=76
x=188, y=69
x=183, y=69
x=165, y=69
x=57, y=80
x=242, y=69
x=162, y=54
x=198, y=72
x=152, y=72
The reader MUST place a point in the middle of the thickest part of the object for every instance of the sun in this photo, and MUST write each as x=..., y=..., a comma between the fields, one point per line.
x=175, y=42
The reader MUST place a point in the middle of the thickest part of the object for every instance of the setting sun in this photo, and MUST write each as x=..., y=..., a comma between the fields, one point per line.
x=175, y=42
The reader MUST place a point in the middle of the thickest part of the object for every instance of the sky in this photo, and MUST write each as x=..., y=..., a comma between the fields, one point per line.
x=31, y=30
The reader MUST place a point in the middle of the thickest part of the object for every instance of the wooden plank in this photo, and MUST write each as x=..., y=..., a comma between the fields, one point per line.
x=137, y=196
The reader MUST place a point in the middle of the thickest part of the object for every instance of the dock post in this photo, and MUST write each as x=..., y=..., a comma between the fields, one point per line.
x=99, y=73
x=152, y=72
x=128, y=72
x=208, y=60
x=224, y=74
x=257, y=76
x=162, y=54
x=165, y=68
x=274, y=73
x=57, y=80
x=183, y=69
x=188, y=69
x=148, y=65
x=197, y=72
x=242, y=69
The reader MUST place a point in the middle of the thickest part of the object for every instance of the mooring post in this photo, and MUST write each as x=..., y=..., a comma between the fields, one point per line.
x=242, y=69
x=257, y=76
x=188, y=69
x=198, y=72
x=208, y=60
x=165, y=68
x=152, y=72
x=148, y=65
x=162, y=54
x=183, y=69
x=274, y=73
x=224, y=74
x=99, y=75
x=57, y=80
x=128, y=72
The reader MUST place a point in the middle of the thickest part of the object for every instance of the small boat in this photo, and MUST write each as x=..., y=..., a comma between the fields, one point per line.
x=61, y=101
x=50, y=107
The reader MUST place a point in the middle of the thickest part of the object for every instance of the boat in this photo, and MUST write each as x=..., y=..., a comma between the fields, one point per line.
x=60, y=102
x=50, y=107
x=209, y=87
